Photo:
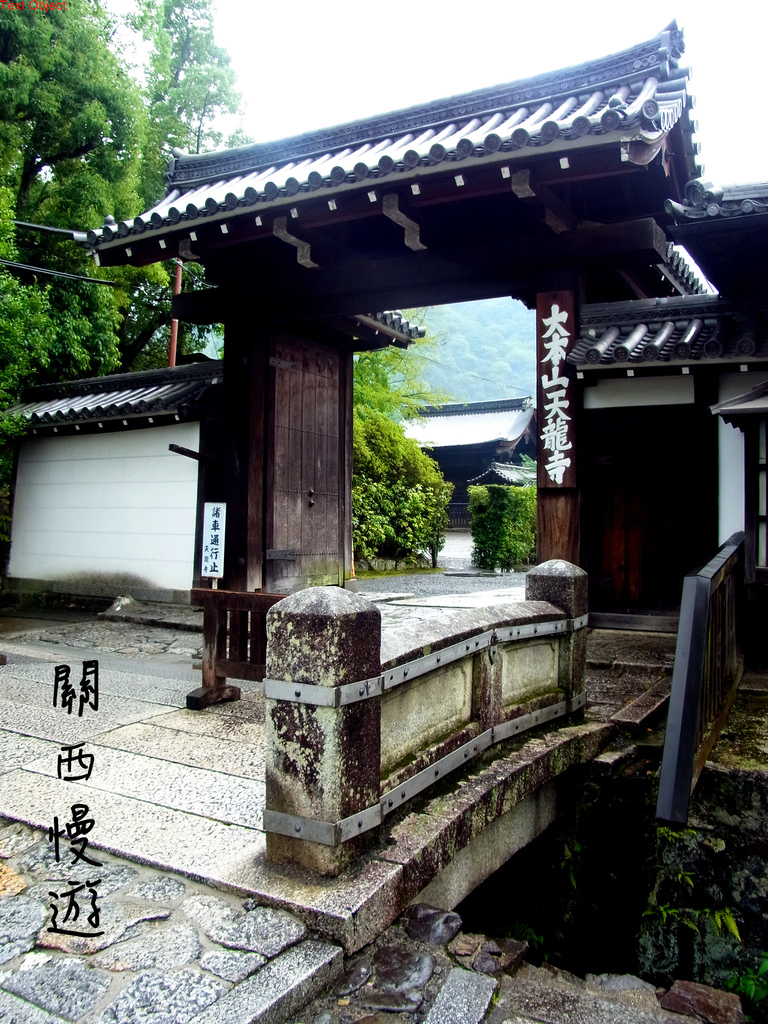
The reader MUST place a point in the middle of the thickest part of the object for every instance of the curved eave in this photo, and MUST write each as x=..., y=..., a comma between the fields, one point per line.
x=153, y=244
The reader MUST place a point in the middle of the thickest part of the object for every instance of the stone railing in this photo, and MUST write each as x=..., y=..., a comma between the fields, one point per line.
x=354, y=732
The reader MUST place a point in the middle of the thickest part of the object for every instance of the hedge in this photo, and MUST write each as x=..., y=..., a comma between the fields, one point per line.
x=503, y=525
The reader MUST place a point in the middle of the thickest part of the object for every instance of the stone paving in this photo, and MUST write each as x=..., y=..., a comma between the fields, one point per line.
x=163, y=949
x=186, y=790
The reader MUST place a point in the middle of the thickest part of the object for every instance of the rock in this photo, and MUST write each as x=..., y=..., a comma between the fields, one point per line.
x=230, y=965
x=21, y=918
x=16, y=838
x=401, y=970
x=164, y=950
x=619, y=983
x=488, y=959
x=354, y=977
x=161, y=889
x=326, y=1017
x=493, y=956
x=167, y=998
x=69, y=988
x=208, y=910
x=392, y=1002
x=430, y=924
x=259, y=930
x=17, y=1011
x=41, y=862
x=463, y=999
x=34, y=960
x=465, y=945
x=117, y=922
x=707, y=1004
x=512, y=954
x=263, y=930
x=11, y=884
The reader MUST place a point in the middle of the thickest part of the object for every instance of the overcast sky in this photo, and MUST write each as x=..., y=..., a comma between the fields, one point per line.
x=308, y=65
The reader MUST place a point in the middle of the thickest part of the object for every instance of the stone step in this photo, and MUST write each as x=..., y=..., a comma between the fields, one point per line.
x=464, y=997
x=280, y=989
x=639, y=712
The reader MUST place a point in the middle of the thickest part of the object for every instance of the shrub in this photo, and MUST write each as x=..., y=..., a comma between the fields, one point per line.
x=399, y=495
x=503, y=524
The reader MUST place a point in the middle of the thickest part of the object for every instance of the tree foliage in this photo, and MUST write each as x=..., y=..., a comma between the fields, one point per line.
x=503, y=524
x=391, y=381
x=189, y=83
x=399, y=495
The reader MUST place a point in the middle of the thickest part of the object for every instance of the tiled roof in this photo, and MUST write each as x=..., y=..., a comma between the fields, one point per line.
x=126, y=396
x=704, y=200
x=507, y=473
x=476, y=423
x=675, y=330
x=752, y=403
x=633, y=97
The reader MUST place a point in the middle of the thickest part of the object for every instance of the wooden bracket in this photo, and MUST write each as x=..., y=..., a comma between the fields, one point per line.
x=280, y=230
x=178, y=449
x=390, y=207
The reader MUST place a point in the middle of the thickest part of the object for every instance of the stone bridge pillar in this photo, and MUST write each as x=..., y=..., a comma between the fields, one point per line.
x=566, y=586
x=322, y=763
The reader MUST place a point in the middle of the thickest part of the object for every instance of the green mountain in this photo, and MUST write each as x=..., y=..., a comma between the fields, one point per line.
x=484, y=349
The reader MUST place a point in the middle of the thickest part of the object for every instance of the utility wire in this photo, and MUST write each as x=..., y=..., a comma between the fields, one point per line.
x=12, y=265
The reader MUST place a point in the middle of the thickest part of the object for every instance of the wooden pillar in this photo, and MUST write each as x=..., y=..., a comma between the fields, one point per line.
x=242, y=454
x=558, y=495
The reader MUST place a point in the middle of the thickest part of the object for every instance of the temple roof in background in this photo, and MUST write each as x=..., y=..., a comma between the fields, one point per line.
x=475, y=423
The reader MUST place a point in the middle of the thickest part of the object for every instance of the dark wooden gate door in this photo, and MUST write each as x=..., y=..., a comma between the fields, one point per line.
x=650, y=504
x=305, y=488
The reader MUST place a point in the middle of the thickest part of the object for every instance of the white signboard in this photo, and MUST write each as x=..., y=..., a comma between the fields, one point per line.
x=214, y=524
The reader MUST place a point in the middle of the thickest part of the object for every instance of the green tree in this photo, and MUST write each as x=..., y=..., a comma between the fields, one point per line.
x=399, y=495
x=391, y=381
x=189, y=84
x=70, y=140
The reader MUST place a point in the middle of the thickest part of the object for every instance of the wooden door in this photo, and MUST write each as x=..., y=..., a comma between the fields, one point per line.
x=305, y=487
x=649, y=504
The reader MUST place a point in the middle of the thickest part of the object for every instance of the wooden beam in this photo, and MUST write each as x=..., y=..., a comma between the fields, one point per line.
x=511, y=266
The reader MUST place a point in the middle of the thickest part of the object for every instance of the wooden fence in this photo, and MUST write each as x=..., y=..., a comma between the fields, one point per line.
x=708, y=668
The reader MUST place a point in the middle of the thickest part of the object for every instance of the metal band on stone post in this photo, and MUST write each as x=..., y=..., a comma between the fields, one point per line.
x=322, y=763
x=566, y=586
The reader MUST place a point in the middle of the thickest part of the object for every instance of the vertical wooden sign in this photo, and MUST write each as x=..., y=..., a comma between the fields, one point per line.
x=555, y=402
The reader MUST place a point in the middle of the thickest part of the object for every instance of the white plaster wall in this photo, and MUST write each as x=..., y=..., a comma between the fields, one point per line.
x=100, y=505
x=730, y=455
x=624, y=392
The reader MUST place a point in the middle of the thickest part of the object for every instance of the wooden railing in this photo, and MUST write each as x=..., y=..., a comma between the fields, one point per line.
x=708, y=668
x=234, y=642
x=458, y=513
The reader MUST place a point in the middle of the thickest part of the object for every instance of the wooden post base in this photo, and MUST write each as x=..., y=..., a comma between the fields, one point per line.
x=204, y=696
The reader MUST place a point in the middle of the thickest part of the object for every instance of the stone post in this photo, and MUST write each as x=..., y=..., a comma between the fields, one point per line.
x=322, y=762
x=564, y=585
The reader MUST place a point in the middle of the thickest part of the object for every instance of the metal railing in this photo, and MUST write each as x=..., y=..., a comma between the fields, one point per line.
x=706, y=675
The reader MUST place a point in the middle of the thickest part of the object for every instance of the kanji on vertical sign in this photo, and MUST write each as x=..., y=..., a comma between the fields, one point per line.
x=555, y=327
